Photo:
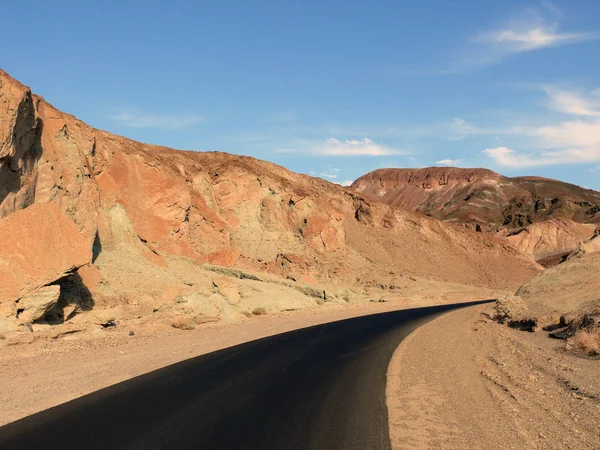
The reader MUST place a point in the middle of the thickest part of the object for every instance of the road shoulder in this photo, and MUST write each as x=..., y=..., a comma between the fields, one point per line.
x=463, y=381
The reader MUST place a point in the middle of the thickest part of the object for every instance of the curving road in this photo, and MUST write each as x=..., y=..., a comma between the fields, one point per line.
x=321, y=387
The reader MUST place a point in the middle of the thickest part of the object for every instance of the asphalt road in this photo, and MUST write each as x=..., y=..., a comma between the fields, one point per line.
x=321, y=388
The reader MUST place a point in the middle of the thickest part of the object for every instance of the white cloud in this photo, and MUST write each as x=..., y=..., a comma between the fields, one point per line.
x=529, y=37
x=581, y=134
x=510, y=158
x=346, y=183
x=348, y=147
x=573, y=103
x=139, y=119
x=353, y=147
x=531, y=30
x=448, y=162
x=573, y=141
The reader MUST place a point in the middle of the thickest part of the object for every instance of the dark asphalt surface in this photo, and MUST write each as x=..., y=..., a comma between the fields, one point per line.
x=321, y=388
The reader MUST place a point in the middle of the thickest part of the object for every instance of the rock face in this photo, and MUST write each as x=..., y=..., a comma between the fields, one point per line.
x=38, y=246
x=136, y=208
x=562, y=214
x=480, y=197
x=545, y=238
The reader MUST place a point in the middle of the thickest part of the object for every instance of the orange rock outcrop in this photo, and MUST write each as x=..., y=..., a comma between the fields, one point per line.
x=215, y=208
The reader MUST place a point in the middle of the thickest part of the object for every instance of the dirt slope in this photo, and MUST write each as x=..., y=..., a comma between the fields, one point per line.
x=464, y=381
x=154, y=218
x=568, y=287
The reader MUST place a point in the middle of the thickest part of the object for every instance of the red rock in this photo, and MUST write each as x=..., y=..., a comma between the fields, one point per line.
x=38, y=245
x=226, y=258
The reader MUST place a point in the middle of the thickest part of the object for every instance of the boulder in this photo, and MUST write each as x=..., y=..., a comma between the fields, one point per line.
x=38, y=245
x=34, y=305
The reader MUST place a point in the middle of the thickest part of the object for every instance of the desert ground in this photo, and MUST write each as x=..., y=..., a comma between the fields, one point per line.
x=42, y=364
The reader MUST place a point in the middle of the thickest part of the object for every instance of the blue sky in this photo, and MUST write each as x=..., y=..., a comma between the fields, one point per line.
x=330, y=88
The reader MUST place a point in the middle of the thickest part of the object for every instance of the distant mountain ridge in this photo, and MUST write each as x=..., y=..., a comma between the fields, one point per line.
x=542, y=217
x=480, y=198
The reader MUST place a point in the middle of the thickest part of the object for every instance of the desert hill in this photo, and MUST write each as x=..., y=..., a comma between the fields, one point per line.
x=150, y=229
x=480, y=196
x=540, y=216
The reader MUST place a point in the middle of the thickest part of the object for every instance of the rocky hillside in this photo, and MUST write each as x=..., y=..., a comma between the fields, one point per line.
x=146, y=228
x=550, y=241
x=562, y=301
x=486, y=201
x=480, y=196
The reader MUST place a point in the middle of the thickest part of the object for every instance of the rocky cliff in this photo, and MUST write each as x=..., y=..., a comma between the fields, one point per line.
x=151, y=225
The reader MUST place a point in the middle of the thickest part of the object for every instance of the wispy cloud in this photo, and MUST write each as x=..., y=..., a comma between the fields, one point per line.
x=510, y=158
x=331, y=173
x=460, y=129
x=529, y=37
x=139, y=119
x=449, y=162
x=574, y=103
x=347, y=147
x=530, y=29
x=572, y=141
x=346, y=182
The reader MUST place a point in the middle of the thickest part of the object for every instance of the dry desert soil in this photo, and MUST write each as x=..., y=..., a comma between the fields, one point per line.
x=465, y=381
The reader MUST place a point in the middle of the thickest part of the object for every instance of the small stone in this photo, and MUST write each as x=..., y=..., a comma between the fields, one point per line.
x=131, y=333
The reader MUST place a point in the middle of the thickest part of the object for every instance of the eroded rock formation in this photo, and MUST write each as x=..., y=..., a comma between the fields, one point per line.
x=141, y=211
